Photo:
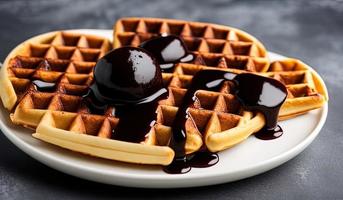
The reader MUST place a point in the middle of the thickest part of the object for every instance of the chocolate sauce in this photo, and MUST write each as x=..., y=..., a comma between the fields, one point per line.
x=269, y=134
x=178, y=166
x=200, y=159
x=204, y=159
x=168, y=50
x=136, y=120
x=255, y=93
x=44, y=86
x=207, y=80
x=129, y=79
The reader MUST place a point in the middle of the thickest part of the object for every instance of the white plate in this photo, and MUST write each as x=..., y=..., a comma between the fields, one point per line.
x=249, y=158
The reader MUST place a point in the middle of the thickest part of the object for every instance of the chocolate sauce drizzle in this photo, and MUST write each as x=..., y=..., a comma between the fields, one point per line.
x=266, y=96
x=168, y=50
x=255, y=93
x=130, y=79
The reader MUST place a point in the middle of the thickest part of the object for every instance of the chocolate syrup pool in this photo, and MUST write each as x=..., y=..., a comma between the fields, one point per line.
x=255, y=93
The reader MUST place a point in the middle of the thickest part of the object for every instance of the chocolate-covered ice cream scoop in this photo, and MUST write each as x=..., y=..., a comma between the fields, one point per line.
x=127, y=74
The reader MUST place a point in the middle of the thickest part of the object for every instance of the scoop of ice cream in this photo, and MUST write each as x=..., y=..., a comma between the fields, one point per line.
x=128, y=74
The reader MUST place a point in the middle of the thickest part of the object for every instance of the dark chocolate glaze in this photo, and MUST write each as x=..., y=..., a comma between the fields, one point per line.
x=43, y=86
x=129, y=79
x=199, y=82
x=136, y=120
x=266, y=95
x=255, y=93
x=168, y=50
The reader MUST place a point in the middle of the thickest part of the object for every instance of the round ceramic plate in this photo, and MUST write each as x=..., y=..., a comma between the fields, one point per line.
x=251, y=157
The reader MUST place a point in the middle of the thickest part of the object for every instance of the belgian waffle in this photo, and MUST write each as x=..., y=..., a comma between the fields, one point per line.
x=219, y=121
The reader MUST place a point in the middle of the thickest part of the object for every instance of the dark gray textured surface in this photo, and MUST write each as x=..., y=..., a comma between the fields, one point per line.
x=309, y=30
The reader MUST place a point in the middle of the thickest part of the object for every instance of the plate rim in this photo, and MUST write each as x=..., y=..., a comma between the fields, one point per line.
x=191, y=180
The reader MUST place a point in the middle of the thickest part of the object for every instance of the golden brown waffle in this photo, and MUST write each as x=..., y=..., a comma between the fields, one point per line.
x=199, y=37
x=219, y=121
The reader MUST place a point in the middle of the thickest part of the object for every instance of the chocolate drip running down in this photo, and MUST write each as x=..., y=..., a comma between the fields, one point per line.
x=255, y=93
x=170, y=50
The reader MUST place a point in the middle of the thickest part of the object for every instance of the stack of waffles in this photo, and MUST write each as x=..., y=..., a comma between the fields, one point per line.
x=65, y=60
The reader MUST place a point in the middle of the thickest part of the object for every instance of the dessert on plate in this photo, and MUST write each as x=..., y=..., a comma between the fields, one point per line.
x=170, y=92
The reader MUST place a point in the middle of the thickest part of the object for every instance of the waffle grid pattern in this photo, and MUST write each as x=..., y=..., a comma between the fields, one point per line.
x=199, y=37
x=203, y=45
x=65, y=59
x=299, y=80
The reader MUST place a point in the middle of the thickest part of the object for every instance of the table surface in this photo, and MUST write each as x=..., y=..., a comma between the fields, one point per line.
x=309, y=30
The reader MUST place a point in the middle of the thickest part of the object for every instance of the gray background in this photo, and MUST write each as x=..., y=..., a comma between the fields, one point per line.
x=309, y=30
